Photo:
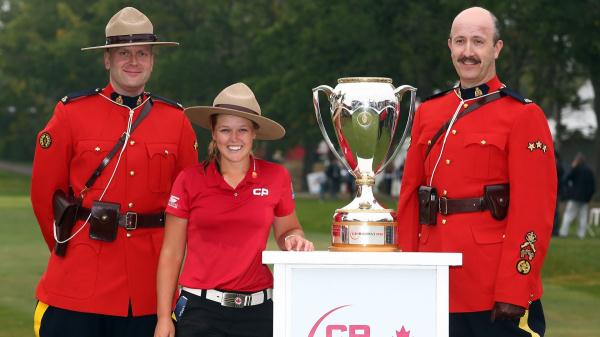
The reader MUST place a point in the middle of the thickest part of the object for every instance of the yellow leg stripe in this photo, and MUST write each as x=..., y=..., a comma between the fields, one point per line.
x=40, y=309
x=525, y=326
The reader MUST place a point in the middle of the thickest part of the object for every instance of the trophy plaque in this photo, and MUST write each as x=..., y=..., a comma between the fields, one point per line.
x=365, y=113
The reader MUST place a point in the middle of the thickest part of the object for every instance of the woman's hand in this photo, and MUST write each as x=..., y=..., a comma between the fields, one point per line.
x=298, y=243
x=164, y=328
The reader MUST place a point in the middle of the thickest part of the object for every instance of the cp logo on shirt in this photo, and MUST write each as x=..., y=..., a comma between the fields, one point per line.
x=261, y=192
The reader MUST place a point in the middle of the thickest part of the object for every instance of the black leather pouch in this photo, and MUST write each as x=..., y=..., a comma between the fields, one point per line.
x=496, y=200
x=104, y=221
x=65, y=208
x=428, y=205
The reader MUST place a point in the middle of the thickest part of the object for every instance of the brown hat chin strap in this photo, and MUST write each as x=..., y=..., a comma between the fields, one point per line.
x=131, y=38
x=236, y=107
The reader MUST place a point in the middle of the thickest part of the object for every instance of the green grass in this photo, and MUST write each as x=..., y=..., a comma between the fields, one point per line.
x=571, y=272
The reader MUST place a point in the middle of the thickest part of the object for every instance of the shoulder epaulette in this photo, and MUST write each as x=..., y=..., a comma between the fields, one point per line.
x=166, y=100
x=439, y=94
x=78, y=94
x=516, y=95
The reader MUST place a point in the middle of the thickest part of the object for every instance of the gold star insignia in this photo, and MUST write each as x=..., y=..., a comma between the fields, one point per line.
x=478, y=92
x=196, y=145
x=119, y=99
x=139, y=100
x=538, y=144
x=544, y=148
x=531, y=147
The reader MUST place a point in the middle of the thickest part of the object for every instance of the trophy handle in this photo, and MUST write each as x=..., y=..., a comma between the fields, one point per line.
x=399, y=92
x=329, y=92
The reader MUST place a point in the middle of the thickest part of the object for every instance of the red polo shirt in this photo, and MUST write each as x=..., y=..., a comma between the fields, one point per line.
x=228, y=227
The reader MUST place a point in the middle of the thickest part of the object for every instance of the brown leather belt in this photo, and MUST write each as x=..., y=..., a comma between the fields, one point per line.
x=450, y=206
x=131, y=220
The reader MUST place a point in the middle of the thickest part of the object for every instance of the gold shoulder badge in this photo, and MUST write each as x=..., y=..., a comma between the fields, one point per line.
x=523, y=267
x=45, y=140
x=195, y=145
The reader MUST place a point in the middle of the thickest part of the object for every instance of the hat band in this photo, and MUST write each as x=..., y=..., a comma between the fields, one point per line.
x=236, y=107
x=131, y=38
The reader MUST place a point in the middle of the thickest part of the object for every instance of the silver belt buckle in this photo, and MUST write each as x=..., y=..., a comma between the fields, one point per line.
x=443, y=209
x=236, y=300
x=130, y=221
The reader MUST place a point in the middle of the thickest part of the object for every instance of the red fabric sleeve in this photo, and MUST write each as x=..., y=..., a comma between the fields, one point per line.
x=285, y=205
x=532, y=172
x=51, y=170
x=408, y=206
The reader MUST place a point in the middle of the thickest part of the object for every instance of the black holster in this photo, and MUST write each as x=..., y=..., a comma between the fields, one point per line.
x=496, y=200
x=428, y=205
x=65, y=216
x=104, y=220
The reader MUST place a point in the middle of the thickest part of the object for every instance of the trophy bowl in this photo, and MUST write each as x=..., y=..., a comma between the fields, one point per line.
x=365, y=113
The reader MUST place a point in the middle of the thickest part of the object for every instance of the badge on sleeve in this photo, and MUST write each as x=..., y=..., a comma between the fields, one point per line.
x=45, y=140
x=195, y=145
x=527, y=253
x=537, y=145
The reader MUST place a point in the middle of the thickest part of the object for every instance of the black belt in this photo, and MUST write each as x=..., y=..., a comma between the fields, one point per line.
x=131, y=220
x=450, y=206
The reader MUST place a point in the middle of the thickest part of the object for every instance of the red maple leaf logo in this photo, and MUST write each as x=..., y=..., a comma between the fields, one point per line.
x=403, y=333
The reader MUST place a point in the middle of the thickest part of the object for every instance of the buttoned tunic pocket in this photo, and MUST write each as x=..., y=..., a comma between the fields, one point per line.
x=484, y=156
x=161, y=165
x=88, y=156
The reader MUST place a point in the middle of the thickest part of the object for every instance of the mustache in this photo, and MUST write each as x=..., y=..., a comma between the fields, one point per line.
x=467, y=58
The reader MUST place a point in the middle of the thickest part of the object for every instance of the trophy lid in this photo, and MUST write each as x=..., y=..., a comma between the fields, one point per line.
x=365, y=79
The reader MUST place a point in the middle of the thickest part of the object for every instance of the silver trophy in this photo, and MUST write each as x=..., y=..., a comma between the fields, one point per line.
x=365, y=112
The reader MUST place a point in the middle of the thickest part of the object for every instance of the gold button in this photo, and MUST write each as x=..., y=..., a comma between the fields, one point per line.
x=132, y=173
x=447, y=161
x=166, y=152
x=419, y=234
x=483, y=142
x=454, y=131
x=128, y=235
x=235, y=194
x=132, y=142
x=97, y=149
x=443, y=221
x=429, y=142
x=465, y=105
x=130, y=204
x=504, y=236
x=444, y=193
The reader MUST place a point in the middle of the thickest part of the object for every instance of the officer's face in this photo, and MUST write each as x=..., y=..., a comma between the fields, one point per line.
x=129, y=68
x=233, y=136
x=472, y=47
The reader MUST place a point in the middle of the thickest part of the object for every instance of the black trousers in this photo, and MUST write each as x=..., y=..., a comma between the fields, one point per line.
x=56, y=322
x=205, y=318
x=478, y=324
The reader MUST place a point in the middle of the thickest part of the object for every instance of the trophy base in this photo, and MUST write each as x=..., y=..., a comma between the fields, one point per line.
x=363, y=236
x=365, y=248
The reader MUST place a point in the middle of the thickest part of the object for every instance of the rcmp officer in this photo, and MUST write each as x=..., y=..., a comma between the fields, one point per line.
x=104, y=283
x=483, y=185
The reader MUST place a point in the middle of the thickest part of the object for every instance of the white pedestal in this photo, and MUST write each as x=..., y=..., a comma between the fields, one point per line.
x=356, y=294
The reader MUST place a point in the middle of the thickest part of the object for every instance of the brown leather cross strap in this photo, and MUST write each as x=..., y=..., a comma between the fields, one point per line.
x=450, y=206
x=472, y=107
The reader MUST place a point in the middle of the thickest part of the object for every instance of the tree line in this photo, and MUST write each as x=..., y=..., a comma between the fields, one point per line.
x=284, y=48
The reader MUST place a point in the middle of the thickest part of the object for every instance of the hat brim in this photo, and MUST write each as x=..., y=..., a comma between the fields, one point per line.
x=267, y=129
x=116, y=45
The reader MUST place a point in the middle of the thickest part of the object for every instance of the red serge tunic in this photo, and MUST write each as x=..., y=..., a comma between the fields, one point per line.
x=505, y=141
x=105, y=277
x=228, y=228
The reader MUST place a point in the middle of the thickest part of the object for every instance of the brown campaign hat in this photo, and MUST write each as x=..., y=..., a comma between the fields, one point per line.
x=130, y=27
x=237, y=100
